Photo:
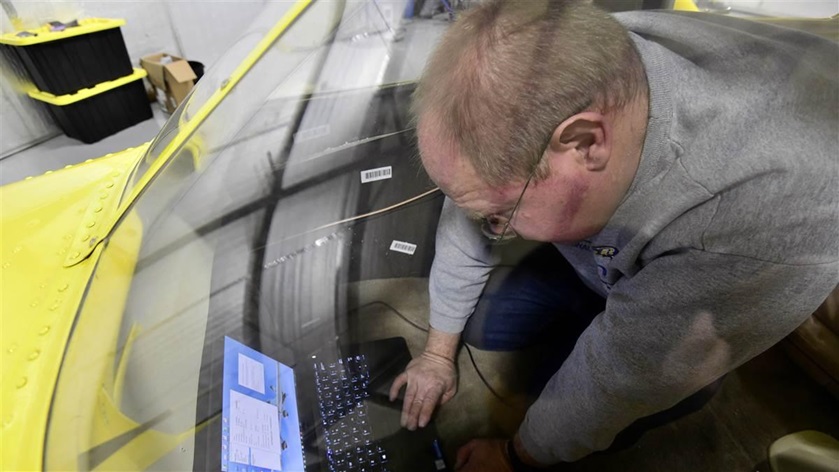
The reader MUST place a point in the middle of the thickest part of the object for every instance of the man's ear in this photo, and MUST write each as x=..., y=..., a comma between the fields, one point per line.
x=584, y=137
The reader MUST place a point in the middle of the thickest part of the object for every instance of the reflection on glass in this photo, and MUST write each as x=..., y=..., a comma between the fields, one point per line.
x=256, y=227
x=288, y=214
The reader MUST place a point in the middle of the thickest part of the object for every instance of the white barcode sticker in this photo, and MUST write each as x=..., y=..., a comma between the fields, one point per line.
x=373, y=175
x=403, y=247
x=311, y=133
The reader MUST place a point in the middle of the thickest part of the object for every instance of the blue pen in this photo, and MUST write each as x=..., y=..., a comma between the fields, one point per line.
x=439, y=461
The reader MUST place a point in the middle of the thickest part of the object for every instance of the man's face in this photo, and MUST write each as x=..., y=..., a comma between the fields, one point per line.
x=551, y=210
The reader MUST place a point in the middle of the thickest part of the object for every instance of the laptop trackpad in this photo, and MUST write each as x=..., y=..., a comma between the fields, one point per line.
x=407, y=450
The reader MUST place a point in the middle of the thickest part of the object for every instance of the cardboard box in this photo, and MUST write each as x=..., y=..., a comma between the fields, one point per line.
x=171, y=76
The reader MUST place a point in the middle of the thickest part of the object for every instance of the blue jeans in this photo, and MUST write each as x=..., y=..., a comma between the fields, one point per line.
x=532, y=302
x=541, y=302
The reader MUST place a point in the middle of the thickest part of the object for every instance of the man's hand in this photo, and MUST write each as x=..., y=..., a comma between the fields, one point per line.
x=483, y=455
x=430, y=379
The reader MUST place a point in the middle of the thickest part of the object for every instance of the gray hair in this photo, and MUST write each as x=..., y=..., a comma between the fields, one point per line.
x=508, y=72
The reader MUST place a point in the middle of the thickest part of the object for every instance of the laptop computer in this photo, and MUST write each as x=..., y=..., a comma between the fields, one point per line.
x=331, y=413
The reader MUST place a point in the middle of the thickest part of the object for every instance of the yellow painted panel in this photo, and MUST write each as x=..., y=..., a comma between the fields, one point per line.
x=82, y=415
x=39, y=297
x=685, y=5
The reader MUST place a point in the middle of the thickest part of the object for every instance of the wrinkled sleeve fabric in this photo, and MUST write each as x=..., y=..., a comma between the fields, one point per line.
x=461, y=267
x=676, y=326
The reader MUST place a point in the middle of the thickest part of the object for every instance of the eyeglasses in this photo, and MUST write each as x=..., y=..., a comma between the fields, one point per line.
x=490, y=223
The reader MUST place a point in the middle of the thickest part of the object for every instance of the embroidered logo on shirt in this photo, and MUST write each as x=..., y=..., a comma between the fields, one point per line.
x=605, y=251
x=602, y=256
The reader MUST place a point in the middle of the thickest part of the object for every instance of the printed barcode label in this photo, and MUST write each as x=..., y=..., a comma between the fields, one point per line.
x=403, y=247
x=373, y=175
x=311, y=133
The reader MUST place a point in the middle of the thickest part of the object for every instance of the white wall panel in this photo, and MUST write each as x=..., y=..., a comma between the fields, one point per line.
x=206, y=29
x=22, y=121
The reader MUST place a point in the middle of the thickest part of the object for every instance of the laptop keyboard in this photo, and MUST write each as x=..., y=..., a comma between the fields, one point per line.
x=342, y=387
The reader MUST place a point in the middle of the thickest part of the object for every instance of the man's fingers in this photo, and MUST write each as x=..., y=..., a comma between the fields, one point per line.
x=410, y=395
x=429, y=403
x=397, y=385
x=414, y=410
x=463, y=454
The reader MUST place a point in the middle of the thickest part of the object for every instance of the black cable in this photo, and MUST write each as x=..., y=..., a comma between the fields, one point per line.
x=468, y=349
x=400, y=315
x=478, y=371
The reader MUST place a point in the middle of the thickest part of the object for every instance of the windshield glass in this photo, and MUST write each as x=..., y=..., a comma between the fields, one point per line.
x=261, y=227
x=278, y=270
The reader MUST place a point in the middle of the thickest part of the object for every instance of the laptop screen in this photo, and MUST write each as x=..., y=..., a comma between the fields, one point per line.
x=260, y=417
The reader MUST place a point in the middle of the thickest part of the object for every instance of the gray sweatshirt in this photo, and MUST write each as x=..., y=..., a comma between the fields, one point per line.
x=726, y=241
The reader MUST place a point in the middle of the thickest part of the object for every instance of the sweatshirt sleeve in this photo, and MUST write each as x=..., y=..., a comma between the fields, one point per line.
x=673, y=328
x=461, y=267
